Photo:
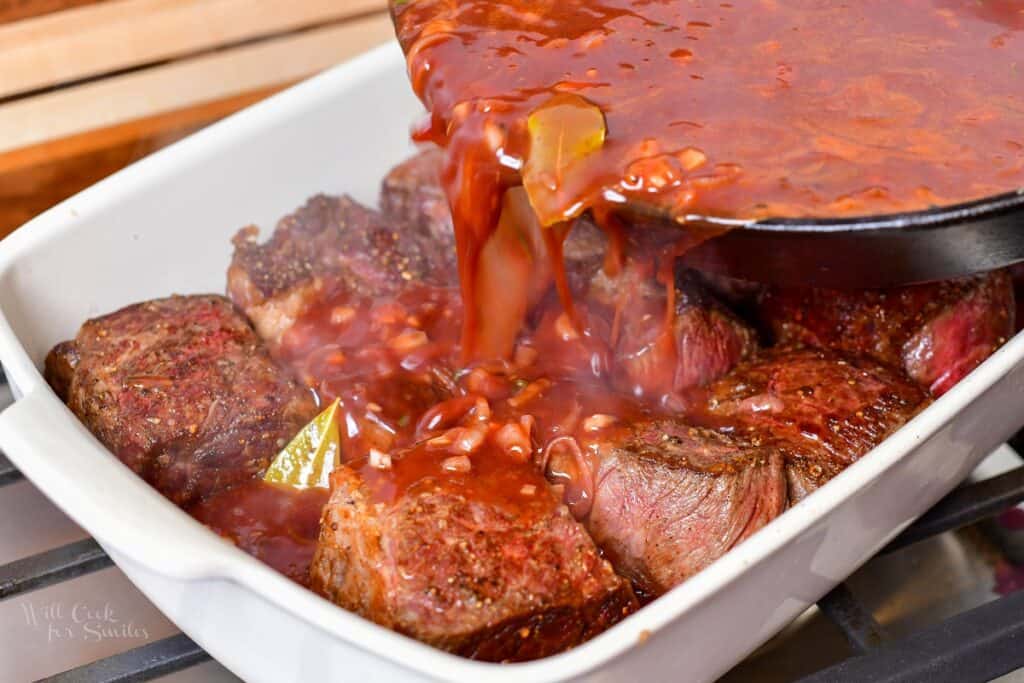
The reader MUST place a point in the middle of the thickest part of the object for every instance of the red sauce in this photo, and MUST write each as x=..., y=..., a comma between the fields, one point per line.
x=275, y=524
x=721, y=110
x=481, y=427
x=801, y=107
x=386, y=359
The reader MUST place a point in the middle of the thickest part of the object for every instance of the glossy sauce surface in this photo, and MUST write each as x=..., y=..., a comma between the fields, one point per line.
x=712, y=110
x=275, y=524
x=762, y=108
x=414, y=415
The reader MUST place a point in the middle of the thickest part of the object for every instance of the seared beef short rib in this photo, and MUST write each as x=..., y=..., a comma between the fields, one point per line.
x=497, y=575
x=823, y=410
x=182, y=391
x=411, y=198
x=667, y=500
x=330, y=243
x=702, y=341
x=937, y=333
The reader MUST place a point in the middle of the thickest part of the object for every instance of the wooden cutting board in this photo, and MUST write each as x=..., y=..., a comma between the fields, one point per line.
x=89, y=86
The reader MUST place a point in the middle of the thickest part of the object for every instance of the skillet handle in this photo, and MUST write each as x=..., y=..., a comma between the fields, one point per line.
x=79, y=475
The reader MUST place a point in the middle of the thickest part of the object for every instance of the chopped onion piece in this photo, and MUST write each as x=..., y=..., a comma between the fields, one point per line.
x=409, y=340
x=463, y=440
x=597, y=422
x=457, y=463
x=379, y=460
x=514, y=439
x=482, y=409
x=565, y=465
x=529, y=392
x=469, y=439
x=341, y=315
x=442, y=441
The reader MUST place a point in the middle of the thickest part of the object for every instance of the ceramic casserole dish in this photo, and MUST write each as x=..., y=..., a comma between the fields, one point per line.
x=164, y=225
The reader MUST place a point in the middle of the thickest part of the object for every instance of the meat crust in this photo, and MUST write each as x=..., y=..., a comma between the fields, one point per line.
x=937, y=333
x=329, y=243
x=823, y=410
x=182, y=391
x=463, y=572
x=412, y=197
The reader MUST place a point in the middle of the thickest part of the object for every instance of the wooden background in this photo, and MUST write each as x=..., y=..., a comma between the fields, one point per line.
x=88, y=86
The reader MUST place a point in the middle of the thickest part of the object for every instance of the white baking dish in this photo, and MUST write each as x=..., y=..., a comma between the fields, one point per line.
x=163, y=226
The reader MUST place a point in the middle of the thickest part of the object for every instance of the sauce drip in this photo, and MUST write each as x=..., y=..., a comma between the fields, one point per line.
x=718, y=110
x=411, y=415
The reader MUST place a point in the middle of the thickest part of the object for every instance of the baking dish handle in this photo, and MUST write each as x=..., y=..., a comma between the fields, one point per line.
x=79, y=475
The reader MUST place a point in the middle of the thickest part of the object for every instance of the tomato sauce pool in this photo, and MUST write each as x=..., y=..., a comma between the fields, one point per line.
x=713, y=110
x=275, y=524
x=393, y=363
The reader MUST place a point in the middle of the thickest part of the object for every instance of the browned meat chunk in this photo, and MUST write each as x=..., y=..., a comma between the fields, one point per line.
x=330, y=243
x=666, y=500
x=739, y=294
x=823, y=410
x=485, y=565
x=702, y=342
x=937, y=333
x=1017, y=278
x=411, y=197
x=60, y=368
x=182, y=391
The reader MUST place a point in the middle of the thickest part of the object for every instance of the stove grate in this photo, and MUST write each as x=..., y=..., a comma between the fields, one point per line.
x=857, y=623
x=975, y=646
x=53, y=566
x=144, y=663
x=965, y=506
x=8, y=472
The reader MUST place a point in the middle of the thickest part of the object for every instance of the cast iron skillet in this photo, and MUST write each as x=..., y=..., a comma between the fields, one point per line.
x=873, y=251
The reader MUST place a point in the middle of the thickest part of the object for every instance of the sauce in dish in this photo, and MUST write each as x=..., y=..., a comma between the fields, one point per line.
x=505, y=461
